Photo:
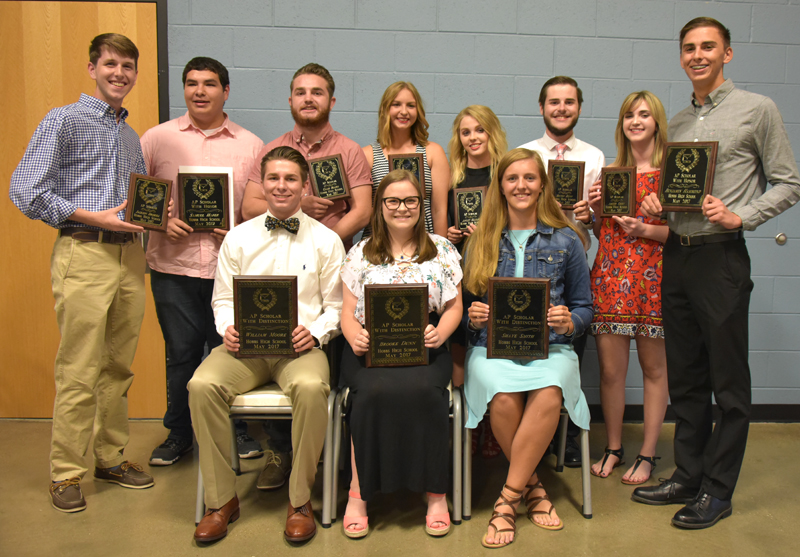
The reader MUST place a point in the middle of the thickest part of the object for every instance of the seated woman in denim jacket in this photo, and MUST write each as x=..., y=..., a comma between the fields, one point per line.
x=523, y=233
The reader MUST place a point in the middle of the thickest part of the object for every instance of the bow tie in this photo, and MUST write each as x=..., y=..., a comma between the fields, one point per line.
x=290, y=225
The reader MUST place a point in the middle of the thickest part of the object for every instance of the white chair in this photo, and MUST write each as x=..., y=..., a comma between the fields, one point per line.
x=586, y=509
x=585, y=464
x=267, y=402
x=338, y=412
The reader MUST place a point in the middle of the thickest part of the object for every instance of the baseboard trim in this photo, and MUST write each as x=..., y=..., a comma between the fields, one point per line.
x=760, y=413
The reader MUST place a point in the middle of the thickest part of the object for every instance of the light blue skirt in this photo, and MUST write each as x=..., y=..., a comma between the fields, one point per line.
x=485, y=378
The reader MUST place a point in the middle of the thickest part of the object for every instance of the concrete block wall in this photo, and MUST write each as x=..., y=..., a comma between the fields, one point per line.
x=498, y=53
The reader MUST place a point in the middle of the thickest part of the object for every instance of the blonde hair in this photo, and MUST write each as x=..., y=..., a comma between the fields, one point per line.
x=483, y=246
x=378, y=249
x=498, y=144
x=624, y=152
x=419, y=131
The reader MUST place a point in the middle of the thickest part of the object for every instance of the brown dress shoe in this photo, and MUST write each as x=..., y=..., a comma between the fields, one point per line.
x=300, y=525
x=214, y=525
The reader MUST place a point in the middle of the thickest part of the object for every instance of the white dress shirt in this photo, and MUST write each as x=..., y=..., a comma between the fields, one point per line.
x=577, y=150
x=314, y=255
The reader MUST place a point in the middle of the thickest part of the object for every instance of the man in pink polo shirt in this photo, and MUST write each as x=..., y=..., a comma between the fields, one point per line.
x=311, y=101
x=183, y=262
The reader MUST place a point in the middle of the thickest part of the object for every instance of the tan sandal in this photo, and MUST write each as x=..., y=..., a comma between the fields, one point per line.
x=533, y=502
x=511, y=519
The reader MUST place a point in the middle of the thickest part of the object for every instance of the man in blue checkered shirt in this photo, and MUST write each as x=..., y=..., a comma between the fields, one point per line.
x=74, y=177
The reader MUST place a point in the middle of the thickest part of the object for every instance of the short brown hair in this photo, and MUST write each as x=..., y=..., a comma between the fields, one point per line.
x=315, y=69
x=707, y=22
x=285, y=154
x=115, y=42
x=559, y=80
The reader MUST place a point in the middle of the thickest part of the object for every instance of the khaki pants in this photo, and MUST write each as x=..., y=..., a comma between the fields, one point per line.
x=99, y=294
x=217, y=382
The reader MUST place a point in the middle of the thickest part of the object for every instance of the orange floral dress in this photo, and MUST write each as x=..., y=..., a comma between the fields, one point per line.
x=626, y=275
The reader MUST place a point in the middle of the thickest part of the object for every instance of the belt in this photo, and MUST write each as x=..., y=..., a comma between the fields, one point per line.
x=100, y=236
x=699, y=240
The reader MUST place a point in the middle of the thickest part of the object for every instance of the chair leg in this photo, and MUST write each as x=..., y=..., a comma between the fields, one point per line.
x=562, y=441
x=458, y=430
x=327, y=463
x=200, y=506
x=466, y=457
x=235, y=451
x=585, y=475
x=338, y=417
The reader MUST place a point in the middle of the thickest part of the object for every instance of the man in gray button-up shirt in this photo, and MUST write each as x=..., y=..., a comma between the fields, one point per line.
x=706, y=282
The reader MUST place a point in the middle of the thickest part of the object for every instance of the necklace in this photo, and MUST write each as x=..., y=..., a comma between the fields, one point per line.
x=517, y=239
x=404, y=255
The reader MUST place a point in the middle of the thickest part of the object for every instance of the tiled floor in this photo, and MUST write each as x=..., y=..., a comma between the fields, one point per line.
x=160, y=521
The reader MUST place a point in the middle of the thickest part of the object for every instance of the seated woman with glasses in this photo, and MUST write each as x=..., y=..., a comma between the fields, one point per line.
x=523, y=233
x=399, y=415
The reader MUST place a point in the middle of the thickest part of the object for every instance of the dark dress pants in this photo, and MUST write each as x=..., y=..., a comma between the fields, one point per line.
x=705, y=299
x=183, y=307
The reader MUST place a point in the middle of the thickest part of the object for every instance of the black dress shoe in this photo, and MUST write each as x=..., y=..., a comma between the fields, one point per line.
x=706, y=510
x=572, y=454
x=666, y=493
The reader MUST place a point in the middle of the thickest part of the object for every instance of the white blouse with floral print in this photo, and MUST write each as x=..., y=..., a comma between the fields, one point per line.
x=442, y=274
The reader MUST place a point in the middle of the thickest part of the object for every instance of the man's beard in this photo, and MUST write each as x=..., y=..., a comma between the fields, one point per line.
x=319, y=120
x=558, y=132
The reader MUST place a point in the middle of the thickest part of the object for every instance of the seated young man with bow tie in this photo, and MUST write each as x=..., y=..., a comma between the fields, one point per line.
x=283, y=241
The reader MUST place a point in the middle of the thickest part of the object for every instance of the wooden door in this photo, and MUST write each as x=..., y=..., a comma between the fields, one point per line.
x=45, y=52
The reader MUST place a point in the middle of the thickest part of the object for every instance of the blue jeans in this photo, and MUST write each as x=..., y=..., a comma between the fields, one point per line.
x=183, y=307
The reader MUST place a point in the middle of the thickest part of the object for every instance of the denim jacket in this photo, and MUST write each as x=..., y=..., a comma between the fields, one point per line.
x=556, y=254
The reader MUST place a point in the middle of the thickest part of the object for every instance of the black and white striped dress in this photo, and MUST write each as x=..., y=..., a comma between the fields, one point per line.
x=380, y=168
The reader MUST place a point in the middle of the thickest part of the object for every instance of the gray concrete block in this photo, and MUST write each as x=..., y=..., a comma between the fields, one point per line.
x=785, y=97
x=521, y=130
x=600, y=133
x=178, y=12
x=659, y=60
x=176, y=99
x=772, y=331
x=768, y=258
x=735, y=17
x=441, y=128
x=759, y=368
x=454, y=92
x=434, y=52
x=266, y=124
x=603, y=58
x=186, y=42
x=526, y=95
x=513, y=55
x=358, y=126
x=776, y=396
x=680, y=95
x=174, y=112
x=241, y=12
x=268, y=47
x=483, y=16
x=410, y=15
x=783, y=370
x=355, y=50
x=544, y=17
x=793, y=64
x=776, y=24
x=762, y=296
x=787, y=299
x=369, y=88
x=259, y=89
x=607, y=95
x=757, y=64
x=634, y=19
x=322, y=14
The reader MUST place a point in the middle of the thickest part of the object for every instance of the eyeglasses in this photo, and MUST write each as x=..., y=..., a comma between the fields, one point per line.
x=393, y=203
